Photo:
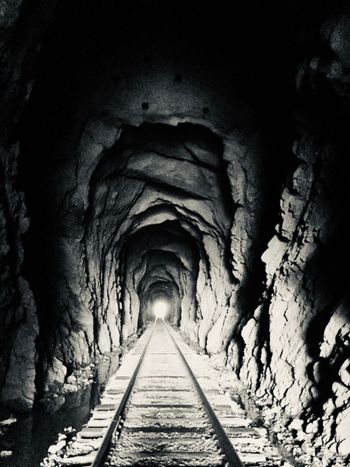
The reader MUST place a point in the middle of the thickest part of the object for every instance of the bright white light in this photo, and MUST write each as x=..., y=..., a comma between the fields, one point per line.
x=160, y=308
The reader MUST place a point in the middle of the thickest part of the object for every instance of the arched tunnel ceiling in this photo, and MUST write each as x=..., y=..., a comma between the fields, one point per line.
x=153, y=165
x=155, y=177
x=162, y=258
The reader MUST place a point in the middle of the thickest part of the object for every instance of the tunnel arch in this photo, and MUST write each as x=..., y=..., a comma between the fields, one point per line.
x=209, y=218
x=153, y=206
x=166, y=245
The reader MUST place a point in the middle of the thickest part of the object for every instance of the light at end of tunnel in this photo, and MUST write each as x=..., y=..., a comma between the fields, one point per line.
x=160, y=308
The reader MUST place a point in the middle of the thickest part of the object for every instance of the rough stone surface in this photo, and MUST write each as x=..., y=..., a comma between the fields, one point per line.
x=18, y=317
x=18, y=351
x=308, y=331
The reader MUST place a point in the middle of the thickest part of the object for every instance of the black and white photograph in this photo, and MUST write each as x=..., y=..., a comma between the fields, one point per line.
x=174, y=244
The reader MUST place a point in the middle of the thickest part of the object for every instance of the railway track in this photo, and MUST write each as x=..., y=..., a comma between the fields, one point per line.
x=167, y=420
x=155, y=413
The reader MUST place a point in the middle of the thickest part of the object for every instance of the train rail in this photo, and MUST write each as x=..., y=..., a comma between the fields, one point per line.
x=162, y=409
x=166, y=419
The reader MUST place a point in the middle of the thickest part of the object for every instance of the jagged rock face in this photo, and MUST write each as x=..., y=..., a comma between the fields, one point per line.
x=18, y=316
x=162, y=177
x=302, y=361
x=18, y=352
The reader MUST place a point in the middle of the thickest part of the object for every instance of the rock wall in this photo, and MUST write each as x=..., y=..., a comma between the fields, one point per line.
x=19, y=45
x=285, y=361
x=18, y=352
x=296, y=345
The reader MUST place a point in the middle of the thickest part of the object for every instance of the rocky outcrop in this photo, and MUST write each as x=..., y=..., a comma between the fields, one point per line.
x=19, y=45
x=18, y=321
x=294, y=346
x=300, y=364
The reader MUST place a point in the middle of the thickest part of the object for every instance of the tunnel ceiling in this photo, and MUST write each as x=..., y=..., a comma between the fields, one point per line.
x=162, y=194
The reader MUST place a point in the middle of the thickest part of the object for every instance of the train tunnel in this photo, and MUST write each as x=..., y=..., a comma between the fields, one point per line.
x=193, y=153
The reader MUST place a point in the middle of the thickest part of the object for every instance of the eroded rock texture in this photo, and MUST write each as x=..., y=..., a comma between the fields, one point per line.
x=172, y=162
x=303, y=305
x=19, y=45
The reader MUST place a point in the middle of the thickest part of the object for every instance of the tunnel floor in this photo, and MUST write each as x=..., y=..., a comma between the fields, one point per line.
x=159, y=419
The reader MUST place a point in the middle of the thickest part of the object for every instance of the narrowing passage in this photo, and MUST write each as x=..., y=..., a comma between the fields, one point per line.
x=165, y=422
